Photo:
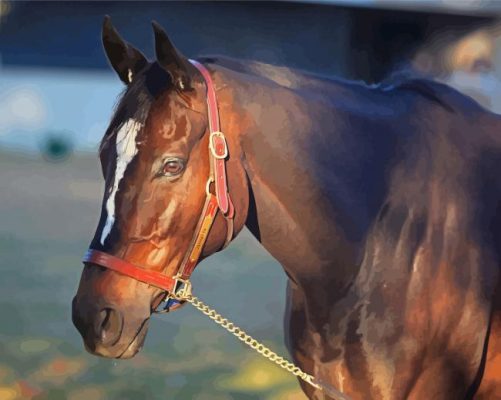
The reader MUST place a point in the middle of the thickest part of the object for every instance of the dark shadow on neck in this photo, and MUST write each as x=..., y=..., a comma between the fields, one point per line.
x=252, y=222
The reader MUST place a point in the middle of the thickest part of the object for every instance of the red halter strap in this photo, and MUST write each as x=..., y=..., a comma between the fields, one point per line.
x=217, y=145
x=218, y=153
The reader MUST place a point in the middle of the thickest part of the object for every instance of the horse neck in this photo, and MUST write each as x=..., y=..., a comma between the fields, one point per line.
x=299, y=208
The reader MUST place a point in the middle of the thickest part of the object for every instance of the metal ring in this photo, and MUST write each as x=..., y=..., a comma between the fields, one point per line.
x=213, y=150
x=207, y=186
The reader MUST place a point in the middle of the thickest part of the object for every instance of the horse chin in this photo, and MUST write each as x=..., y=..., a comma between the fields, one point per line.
x=137, y=342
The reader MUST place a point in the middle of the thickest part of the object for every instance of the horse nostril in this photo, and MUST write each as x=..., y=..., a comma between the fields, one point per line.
x=109, y=326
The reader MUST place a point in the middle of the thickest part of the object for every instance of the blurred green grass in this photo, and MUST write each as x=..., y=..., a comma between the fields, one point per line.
x=48, y=213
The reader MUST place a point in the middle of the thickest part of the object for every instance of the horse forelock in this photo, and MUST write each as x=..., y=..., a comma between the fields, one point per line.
x=134, y=103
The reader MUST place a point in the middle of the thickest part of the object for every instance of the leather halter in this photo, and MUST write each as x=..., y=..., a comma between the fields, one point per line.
x=218, y=154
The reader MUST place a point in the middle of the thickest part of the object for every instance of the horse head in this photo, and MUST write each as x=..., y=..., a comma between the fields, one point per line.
x=155, y=163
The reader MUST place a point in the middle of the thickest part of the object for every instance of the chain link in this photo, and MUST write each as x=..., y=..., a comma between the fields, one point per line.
x=185, y=295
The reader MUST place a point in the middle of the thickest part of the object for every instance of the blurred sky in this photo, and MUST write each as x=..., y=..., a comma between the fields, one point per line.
x=451, y=6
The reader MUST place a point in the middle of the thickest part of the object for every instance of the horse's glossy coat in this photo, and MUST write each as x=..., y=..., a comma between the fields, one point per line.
x=382, y=205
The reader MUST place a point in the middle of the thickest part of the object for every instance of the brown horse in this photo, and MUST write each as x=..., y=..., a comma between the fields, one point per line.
x=382, y=204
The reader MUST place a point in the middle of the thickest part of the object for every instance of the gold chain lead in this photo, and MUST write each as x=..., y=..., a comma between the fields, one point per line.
x=185, y=294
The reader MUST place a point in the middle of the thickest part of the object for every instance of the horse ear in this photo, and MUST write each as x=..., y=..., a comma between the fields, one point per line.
x=125, y=59
x=170, y=59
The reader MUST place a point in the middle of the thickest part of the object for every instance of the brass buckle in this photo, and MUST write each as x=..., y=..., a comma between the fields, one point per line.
x=184, y=292
x=213, y=150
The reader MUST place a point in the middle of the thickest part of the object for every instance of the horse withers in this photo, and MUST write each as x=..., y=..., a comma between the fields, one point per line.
x=382, y=204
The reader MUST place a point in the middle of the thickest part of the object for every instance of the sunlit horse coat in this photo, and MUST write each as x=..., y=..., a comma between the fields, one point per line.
x=382, y=204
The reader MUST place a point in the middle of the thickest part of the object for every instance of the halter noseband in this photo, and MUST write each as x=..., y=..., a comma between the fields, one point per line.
x=218, y=153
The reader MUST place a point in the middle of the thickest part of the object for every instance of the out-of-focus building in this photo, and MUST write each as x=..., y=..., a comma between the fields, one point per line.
x=358, y=39
x=51, y=55
x=472, y=64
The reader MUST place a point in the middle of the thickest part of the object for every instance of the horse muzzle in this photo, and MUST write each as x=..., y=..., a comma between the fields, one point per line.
x=106, y=332
x=111, y=312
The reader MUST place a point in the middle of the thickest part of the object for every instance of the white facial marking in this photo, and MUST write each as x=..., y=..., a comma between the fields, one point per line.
x=126, y=150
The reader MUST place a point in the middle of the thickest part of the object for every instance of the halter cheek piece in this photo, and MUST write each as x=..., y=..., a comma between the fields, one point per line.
x=218, y=154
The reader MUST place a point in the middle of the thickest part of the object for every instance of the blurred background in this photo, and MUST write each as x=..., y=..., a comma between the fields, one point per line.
x=56, y=97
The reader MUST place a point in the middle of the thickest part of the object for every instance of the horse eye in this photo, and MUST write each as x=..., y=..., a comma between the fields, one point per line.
x=172, y=167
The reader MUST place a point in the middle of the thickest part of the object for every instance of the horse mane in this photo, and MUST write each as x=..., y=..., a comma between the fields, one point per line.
x=135, y=101
x=408, y=79
x=282, y=76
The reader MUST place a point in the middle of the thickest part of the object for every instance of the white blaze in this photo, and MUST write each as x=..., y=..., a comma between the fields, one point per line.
x=126, y=150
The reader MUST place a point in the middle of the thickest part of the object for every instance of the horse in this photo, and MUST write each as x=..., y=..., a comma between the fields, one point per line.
x=381, y=203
